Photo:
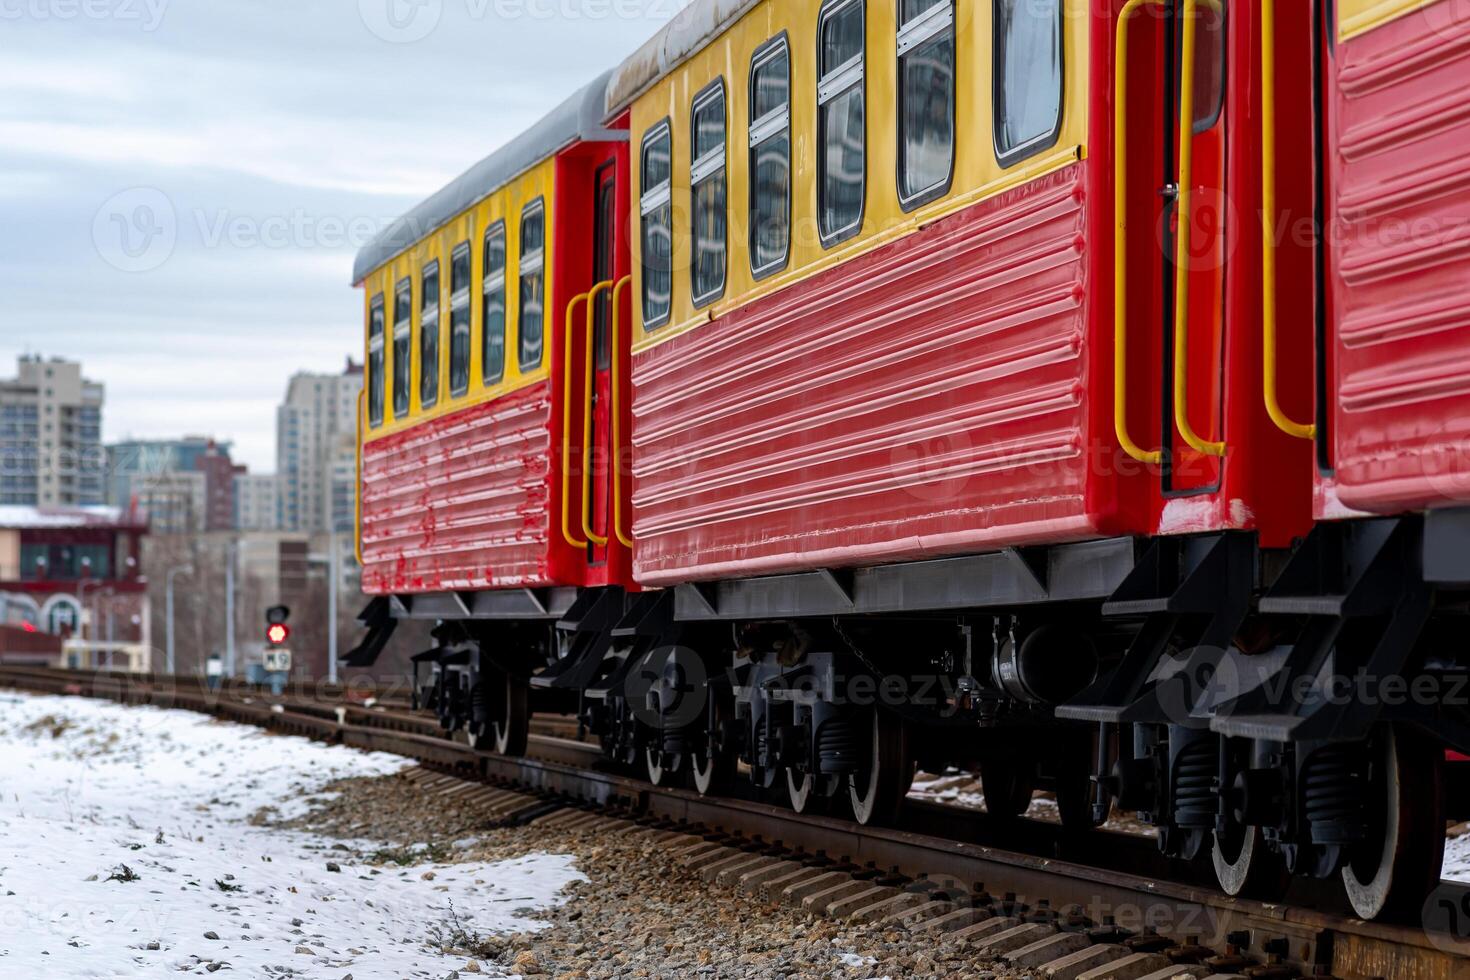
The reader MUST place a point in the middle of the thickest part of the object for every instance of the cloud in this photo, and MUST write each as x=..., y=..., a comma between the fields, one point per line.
x=278, y=133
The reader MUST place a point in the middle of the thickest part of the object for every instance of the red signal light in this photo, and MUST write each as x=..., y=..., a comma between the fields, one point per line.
x=29, y=627
x=278, y=633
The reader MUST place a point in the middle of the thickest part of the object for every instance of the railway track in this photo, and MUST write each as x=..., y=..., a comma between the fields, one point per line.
x=1066, y=909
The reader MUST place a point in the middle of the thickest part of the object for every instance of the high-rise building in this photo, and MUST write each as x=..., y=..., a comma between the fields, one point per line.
x=315, y=427
x=50, y=435
x=163, y=473
x=257, y=502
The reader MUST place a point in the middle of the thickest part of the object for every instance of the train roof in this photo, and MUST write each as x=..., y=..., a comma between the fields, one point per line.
x=686, y=35
x=578, y=118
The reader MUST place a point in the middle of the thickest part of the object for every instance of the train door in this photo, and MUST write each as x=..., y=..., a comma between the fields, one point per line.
x=1195, y=222
x=604, y=266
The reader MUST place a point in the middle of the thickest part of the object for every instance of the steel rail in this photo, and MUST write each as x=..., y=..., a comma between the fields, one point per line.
x=1301, y=933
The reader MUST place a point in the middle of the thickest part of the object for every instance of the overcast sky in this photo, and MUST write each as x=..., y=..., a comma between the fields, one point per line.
x=183, y=183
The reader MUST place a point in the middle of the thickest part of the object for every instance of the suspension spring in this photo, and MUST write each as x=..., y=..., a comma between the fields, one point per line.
x=839, y=746
x=1334, y=785
x=1194, y=789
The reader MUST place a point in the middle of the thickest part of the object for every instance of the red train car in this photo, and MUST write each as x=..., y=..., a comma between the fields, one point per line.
x=987, y=348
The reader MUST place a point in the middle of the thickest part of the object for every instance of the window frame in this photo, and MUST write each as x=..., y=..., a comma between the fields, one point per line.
x=432, y=264
x=1044, y=142
x=927, y=26
x=378, y=344
x=487, y=286
x=830, y=8
x=534, y=207
x=702, y=98
x=461, y=299
x=651, y=200
x=756, y=135
x=401, y=287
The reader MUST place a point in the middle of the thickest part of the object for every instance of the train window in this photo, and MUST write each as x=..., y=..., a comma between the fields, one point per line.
x=841, y=120
x=459, y=320
x=707, y=192
x=926, y=62
x=492, y=309
x=533, y=284
x=1028, y=77
x=376, y=341
x=657, y=209
x=429, y=335
x=402, y=344
x=1209, y=67
x=770, y=158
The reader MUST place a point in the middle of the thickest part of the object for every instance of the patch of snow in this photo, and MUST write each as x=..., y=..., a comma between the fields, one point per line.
x=1457, y=859
x=89, y=788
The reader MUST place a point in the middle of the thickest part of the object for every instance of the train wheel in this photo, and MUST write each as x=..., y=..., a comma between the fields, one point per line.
x=711, y=769
x=1245, y=866
x=510, y=724
x=1399, y=864
x=877, y=790
x=801, y=789
x=1008, y=787
x=653, y=760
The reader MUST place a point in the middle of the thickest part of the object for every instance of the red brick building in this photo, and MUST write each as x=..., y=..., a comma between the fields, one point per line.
x=72, y=588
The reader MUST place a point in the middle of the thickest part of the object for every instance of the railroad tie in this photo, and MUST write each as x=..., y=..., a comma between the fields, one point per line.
x=1135, y=966
x=823, y=900
x=885, y=908
x=982, y=931
x=794, y=893
x=1048, y=950
x=910, y=917
x=1073, y=965
x=1179, y=971
x=960, y=918
x=849, y=908
x=752, y=882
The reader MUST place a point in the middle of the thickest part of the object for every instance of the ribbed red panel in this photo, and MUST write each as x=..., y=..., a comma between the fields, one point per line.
x=926, y=398
x=461, y=502
x=1401, y=263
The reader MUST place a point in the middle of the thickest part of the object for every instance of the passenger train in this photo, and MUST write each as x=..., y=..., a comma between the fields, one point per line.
x=1073, y=392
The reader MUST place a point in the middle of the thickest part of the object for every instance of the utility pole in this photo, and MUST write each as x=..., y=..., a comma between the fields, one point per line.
x=335, y=573
x=230, y=610
x=168, y=596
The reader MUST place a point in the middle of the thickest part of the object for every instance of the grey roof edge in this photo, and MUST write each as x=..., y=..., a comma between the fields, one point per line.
x=579, y=118
x=691, y=30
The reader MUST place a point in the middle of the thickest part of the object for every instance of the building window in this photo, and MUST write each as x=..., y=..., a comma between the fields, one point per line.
x=459, y=320
x=1028, y=77
x=533, y=284
x=770, y=159
x=841, y=120
x=402, y=344
x=376, y=324
x=707, y=192
x=492, y=318
x=657, y=209
x=926, y=60
x=429, y=335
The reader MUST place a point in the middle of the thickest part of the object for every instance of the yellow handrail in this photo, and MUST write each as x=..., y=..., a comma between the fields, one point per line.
x=597, y=291
x=566, y=428
x=1181, y=245
x=1268, y=225
x=357, y=487
x=1120, y=238
x=617, y=414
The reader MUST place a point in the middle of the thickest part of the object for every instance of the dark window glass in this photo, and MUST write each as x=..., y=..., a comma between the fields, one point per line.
x=1028, y=76
x=841, y=121
x=459, y=320
x=533, y=285
x=657, y=208
x=1209, y=67
x=429, y=336
x=402, y=345
x=926, y=100
x=707, y=189
x=492, y=318
x=770, y=159
x=376, y=342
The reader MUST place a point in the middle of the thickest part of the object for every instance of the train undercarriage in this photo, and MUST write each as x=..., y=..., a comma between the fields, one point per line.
x=1273, y=715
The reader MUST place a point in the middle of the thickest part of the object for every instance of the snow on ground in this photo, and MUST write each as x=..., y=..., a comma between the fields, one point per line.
x=126, y=843
x=1457, y=856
